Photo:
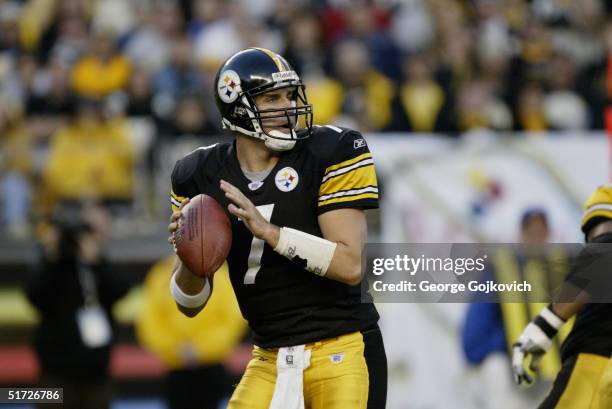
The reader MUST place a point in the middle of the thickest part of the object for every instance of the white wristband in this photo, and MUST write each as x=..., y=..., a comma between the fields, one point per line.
x=551, y=318
x=186, y=300
x=316, y=251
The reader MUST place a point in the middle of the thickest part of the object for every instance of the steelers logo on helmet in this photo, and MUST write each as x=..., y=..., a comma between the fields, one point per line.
x=228, y=86
x=286, y=179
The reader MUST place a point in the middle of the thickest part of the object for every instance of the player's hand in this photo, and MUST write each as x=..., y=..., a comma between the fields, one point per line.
x=174, y=220
x=534, y=341
x=246, y=211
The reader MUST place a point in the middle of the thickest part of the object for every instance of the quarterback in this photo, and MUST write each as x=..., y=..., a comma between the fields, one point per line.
x=295, y=194
x=585, y=379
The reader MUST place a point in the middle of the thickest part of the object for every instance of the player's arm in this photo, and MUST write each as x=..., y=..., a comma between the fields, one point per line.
x=336, y=255
x=190, y=292
x=191, y=286
x=537, y=337
x=347, y=228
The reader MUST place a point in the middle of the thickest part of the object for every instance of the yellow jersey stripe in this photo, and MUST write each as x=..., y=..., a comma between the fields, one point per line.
x=177, y=197
x=355, y=179
x=348, y=162
x=346, y=169
x=349, y=198
x=175, y=201
x=274, y=58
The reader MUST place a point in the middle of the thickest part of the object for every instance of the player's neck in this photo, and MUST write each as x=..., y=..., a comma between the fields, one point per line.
x=253, y=155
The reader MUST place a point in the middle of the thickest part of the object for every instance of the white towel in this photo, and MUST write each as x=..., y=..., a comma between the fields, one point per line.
x=289, y=388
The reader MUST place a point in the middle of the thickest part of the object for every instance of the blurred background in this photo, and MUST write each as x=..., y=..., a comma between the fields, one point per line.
x=480, y=114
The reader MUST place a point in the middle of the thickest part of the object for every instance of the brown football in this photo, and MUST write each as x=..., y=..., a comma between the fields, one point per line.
x=204, y=236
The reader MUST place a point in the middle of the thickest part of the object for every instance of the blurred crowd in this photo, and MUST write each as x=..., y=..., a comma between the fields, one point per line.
x=89, y=88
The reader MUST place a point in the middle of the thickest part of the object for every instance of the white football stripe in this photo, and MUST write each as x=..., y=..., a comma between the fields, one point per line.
x=368, y=161
x=597, y=207
x=174, y=201
x=369, y=189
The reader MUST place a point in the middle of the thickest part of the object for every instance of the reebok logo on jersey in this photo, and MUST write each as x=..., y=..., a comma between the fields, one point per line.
x=255, y=185
x=359, y=143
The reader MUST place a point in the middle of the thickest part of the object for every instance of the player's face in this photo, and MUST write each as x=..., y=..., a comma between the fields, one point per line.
x=535, y=232
x=276, y=100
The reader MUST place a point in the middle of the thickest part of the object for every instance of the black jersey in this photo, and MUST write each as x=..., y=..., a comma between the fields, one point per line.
x=592, y=330
x=283, y=303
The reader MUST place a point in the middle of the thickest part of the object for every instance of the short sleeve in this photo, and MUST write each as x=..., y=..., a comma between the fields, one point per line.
x=182, y=181
x=349, y=180
x=176, y=200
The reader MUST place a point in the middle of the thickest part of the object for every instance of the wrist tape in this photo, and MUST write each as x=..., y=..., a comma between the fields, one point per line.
x=297, y=245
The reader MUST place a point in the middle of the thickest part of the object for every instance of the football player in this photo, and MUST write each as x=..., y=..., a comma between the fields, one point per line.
x=295, y=194
x=585, y=378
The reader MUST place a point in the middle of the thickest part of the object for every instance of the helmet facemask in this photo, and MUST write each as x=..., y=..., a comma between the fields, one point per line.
x=297, y=116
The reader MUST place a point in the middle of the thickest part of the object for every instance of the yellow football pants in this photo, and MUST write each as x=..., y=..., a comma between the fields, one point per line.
x=584, y=382
x=337, y=377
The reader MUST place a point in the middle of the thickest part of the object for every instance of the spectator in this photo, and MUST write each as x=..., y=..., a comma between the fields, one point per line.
x=593, y=75
x=103, y=71
x=367, y=93
x=9, y=27
x=189, y=118
x=413, y=27
x=139, y=94
x=305, y=48
x=74, y=290
x=564, y=108
x=421, y=104
x=90, y=157
x=195, y=350
x=489, y=328
x=205, y=12
x=179, y=76
x=16, y=171
x=146, y=45
x=367, y=23
x=50, y=92
x=530, y=115
x=478, y=108
x=230, y=33
x=307, y=55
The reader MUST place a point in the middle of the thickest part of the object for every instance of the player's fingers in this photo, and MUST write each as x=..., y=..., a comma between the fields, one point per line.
x=175, y=216
x=236, y=211
x=518, y=357
x=239, y=199
x=229, y=188
x=535, y=362
x=184, y=203
x=172, y=227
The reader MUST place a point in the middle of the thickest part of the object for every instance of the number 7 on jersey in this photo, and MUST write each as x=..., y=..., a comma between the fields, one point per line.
x=257, y=247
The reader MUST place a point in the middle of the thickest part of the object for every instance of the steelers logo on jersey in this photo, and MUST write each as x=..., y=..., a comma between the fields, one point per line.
x=228, y=86
x=286, y=179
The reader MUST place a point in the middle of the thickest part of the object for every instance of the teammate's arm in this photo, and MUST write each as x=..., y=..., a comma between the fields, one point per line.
x=537, y=337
